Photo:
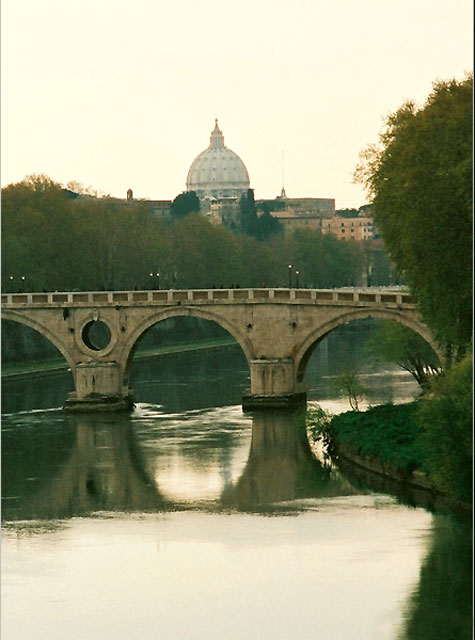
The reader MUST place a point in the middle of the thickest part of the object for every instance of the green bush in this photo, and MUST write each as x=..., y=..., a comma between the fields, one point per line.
x=388, y=433
x=445, y=419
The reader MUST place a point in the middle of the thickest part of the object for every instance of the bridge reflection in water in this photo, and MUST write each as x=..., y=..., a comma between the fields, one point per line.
x=281, y=465
x=59, y=467
x=103, y=469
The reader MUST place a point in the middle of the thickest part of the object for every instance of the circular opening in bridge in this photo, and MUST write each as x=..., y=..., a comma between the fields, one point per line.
x=96, y=335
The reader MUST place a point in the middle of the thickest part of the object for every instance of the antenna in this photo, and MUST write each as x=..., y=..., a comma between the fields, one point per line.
x=283, y=170
x=282, y=193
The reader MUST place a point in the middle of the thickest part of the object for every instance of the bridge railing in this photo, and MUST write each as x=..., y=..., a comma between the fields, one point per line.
x=203, y=296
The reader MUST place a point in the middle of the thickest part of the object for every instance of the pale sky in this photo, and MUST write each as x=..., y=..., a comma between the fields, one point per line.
x=117, y=94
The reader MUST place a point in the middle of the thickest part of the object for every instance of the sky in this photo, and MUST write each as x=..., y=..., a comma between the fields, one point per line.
x=116, y=94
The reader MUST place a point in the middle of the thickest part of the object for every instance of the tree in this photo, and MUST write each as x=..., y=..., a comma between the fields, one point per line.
x=420, y=179
x=185, y=203
x=266, y=226
x=88, y=243
x=348, y=382
x=446, y=420
x=323, y=261
x=396, y=343
x=248, y=214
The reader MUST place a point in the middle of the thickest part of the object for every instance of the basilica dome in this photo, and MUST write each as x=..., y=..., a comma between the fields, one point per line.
x=217, y=172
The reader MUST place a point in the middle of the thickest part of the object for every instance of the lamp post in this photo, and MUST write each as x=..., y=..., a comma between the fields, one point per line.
x=152, y=281
x=297, y=279
x=23, y=282
x=290, y=276
x=11, y=278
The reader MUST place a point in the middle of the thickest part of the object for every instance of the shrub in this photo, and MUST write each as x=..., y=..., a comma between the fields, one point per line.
x=445, y=420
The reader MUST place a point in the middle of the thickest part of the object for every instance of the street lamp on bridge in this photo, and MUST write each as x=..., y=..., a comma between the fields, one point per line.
x=152, y=276
x=21, y=285
x=290, y=276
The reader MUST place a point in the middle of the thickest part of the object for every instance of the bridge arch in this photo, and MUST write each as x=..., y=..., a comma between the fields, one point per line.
x=130, y=344
x=310, y=342
x=8, y=314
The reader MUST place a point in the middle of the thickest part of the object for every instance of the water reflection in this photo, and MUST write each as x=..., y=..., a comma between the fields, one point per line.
x=281, y=465
x=441, y=605
x=210, y=466
x=122, y=463
x=90, y=464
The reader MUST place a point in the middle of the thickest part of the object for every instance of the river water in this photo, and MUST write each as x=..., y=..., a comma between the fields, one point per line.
x=191, y=520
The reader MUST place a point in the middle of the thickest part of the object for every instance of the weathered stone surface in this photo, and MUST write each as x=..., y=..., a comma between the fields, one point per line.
x=95, y=402
x=277, y=329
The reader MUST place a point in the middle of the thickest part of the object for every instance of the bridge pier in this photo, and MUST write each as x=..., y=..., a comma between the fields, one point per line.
x=273, y=385
x=99, y=388
x=284, y=324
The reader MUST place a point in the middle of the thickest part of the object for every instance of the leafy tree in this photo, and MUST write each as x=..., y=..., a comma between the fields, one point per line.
x=420, y=178
x=266, y=226
x=347, y=382
x=323, y=261
x=248, y=214
x=260, y=227
x=446, y=419
x=270, y=205
x=394, y=342
x=90, y=243
x=36, y=239
x=185, y=203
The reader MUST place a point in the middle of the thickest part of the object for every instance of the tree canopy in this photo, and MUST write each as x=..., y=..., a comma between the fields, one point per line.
x=394, y=342
x=420, y=179
x=260, y=227
x=61, y=243
x=184, y=203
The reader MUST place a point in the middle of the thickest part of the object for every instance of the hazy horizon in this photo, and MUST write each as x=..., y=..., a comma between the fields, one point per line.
x=119, y=95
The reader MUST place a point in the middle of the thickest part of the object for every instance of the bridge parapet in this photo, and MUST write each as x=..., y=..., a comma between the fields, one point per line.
x=276, y=328
x=356, y=297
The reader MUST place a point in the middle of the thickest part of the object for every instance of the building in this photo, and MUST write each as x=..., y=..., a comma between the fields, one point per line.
x=299, y=213
x=217, y=172
x=291, y=221
x=219, y=178
x=361, y=228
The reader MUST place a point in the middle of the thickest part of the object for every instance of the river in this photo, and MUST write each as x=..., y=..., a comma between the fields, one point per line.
x=191, y=520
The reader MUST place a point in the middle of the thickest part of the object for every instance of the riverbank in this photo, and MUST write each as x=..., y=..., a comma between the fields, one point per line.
x=415, y=488
x=382, y=447
x=53, y=365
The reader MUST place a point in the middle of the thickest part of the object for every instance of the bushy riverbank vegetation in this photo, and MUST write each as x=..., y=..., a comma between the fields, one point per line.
x=433, y=434
x=419, y=177
x=389, y=433
x=445, y=417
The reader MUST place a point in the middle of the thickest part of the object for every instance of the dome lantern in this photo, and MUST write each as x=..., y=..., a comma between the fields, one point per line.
x=216, y=139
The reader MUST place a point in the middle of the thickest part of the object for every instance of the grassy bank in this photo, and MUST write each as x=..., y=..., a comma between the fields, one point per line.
x=388, y=433
x=409, y=443
x=57, y=364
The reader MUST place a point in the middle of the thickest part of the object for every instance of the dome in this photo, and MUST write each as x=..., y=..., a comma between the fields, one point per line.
x=217, y=171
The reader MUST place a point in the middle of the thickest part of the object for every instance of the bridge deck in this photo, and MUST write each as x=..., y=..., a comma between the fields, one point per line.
x=357, y=296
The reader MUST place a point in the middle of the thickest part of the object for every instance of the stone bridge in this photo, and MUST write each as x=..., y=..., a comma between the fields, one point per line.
x=277, y=330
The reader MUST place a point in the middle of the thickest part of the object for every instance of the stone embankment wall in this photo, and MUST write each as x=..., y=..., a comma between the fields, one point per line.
x=425, y=492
